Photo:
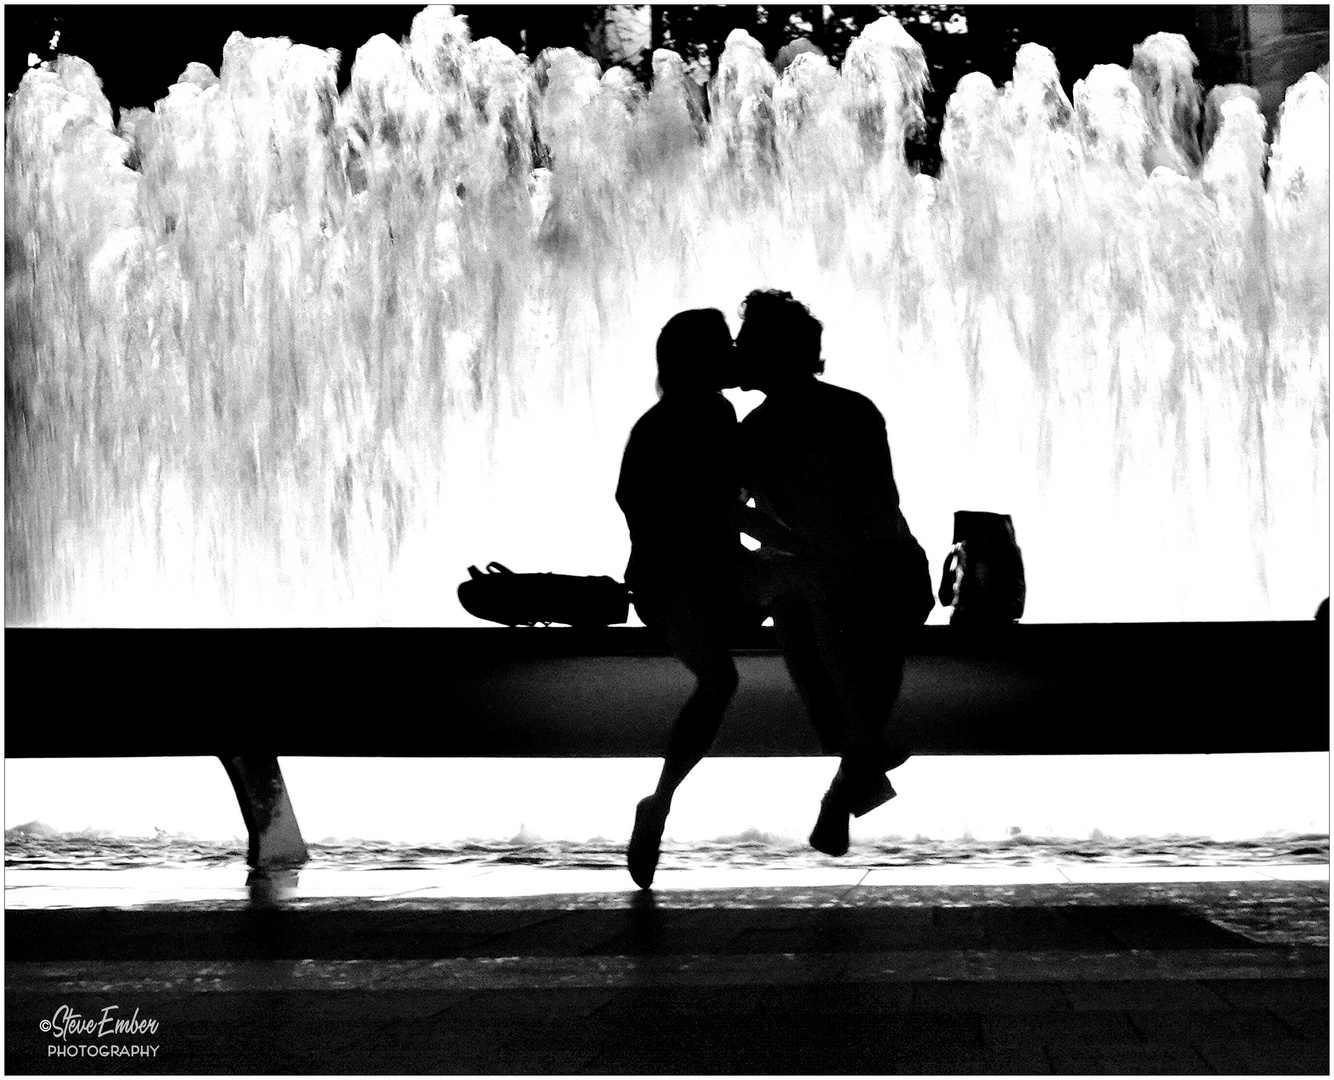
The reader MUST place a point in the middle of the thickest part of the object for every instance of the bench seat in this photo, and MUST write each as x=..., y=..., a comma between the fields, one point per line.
x=1164, y=688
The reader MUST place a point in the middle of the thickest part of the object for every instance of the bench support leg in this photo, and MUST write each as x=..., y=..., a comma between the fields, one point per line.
x=275, y=837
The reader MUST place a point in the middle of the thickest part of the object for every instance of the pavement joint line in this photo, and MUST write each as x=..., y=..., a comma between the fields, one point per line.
x=861, y=881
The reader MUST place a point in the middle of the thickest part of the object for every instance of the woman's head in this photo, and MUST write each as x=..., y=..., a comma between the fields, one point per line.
x=695, y=353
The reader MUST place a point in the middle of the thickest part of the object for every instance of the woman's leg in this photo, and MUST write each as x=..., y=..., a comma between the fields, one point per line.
x=696, y=632
x=698, y=722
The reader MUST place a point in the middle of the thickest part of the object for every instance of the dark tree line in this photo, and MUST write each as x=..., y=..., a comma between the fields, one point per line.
x=140, y=50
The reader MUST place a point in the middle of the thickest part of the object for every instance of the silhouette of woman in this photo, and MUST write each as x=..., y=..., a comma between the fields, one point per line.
x=680, y=491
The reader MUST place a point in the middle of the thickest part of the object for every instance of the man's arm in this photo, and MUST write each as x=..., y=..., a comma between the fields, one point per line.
x=880, y=465
x=756, y=523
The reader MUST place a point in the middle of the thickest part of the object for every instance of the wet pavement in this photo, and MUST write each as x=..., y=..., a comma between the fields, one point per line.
x=822, y=971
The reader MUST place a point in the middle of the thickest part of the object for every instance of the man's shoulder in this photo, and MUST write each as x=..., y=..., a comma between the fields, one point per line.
x=846, y=402
x=834, y=392
x=820, y=399
x=766, y=412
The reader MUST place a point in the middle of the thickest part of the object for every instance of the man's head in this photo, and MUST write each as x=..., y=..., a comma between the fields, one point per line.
x=779, y=341
x=695, y=353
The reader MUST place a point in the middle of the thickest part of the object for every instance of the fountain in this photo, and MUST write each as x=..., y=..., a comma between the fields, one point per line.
x=277, y=356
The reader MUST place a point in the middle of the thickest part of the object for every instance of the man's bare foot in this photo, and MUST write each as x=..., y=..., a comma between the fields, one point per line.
x=830, y=834
x=862, y=789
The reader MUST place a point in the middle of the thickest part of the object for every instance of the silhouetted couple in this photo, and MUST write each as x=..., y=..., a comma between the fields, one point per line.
x=815, y=459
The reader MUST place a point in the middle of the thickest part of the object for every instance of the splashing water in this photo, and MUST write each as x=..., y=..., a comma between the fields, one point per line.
x=277, y=356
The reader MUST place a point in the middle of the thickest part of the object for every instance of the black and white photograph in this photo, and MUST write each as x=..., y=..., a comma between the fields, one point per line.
x=666, y=539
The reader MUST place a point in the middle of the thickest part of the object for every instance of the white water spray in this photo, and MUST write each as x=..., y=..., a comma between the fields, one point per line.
x=273, y=356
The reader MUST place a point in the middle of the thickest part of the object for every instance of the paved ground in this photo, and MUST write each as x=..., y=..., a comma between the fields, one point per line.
x=1157, y=977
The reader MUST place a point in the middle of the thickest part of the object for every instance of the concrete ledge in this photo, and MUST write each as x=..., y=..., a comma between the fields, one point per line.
x=559, y=692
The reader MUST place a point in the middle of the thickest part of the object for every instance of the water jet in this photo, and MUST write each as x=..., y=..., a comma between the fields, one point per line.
x=314, y=355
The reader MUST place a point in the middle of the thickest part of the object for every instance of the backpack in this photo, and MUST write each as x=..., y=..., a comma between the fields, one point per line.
x=502, y=596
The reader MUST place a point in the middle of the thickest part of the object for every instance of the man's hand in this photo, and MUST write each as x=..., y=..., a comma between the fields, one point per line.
x=772, y=533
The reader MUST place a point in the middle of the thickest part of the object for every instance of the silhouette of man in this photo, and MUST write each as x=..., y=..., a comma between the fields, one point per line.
x=680, y=491
x=816, y=458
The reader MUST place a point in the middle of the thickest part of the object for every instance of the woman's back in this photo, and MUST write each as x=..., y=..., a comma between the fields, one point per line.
x=679, y=489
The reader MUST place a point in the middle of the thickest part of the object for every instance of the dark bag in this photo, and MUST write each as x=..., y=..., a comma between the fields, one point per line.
x=983, y=579
x=502, y=596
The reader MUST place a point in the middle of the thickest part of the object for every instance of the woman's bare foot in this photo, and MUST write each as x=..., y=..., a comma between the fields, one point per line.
x=646, y=839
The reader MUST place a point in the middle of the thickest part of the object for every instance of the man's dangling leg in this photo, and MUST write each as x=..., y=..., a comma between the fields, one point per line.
x=794, y=627
x=866, y=661
x=860, y=650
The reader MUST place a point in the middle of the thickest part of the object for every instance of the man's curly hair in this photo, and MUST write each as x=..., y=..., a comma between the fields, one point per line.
x=784, y=327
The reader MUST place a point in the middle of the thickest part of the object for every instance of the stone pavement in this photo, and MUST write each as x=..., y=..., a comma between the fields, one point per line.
x=1159, y=977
